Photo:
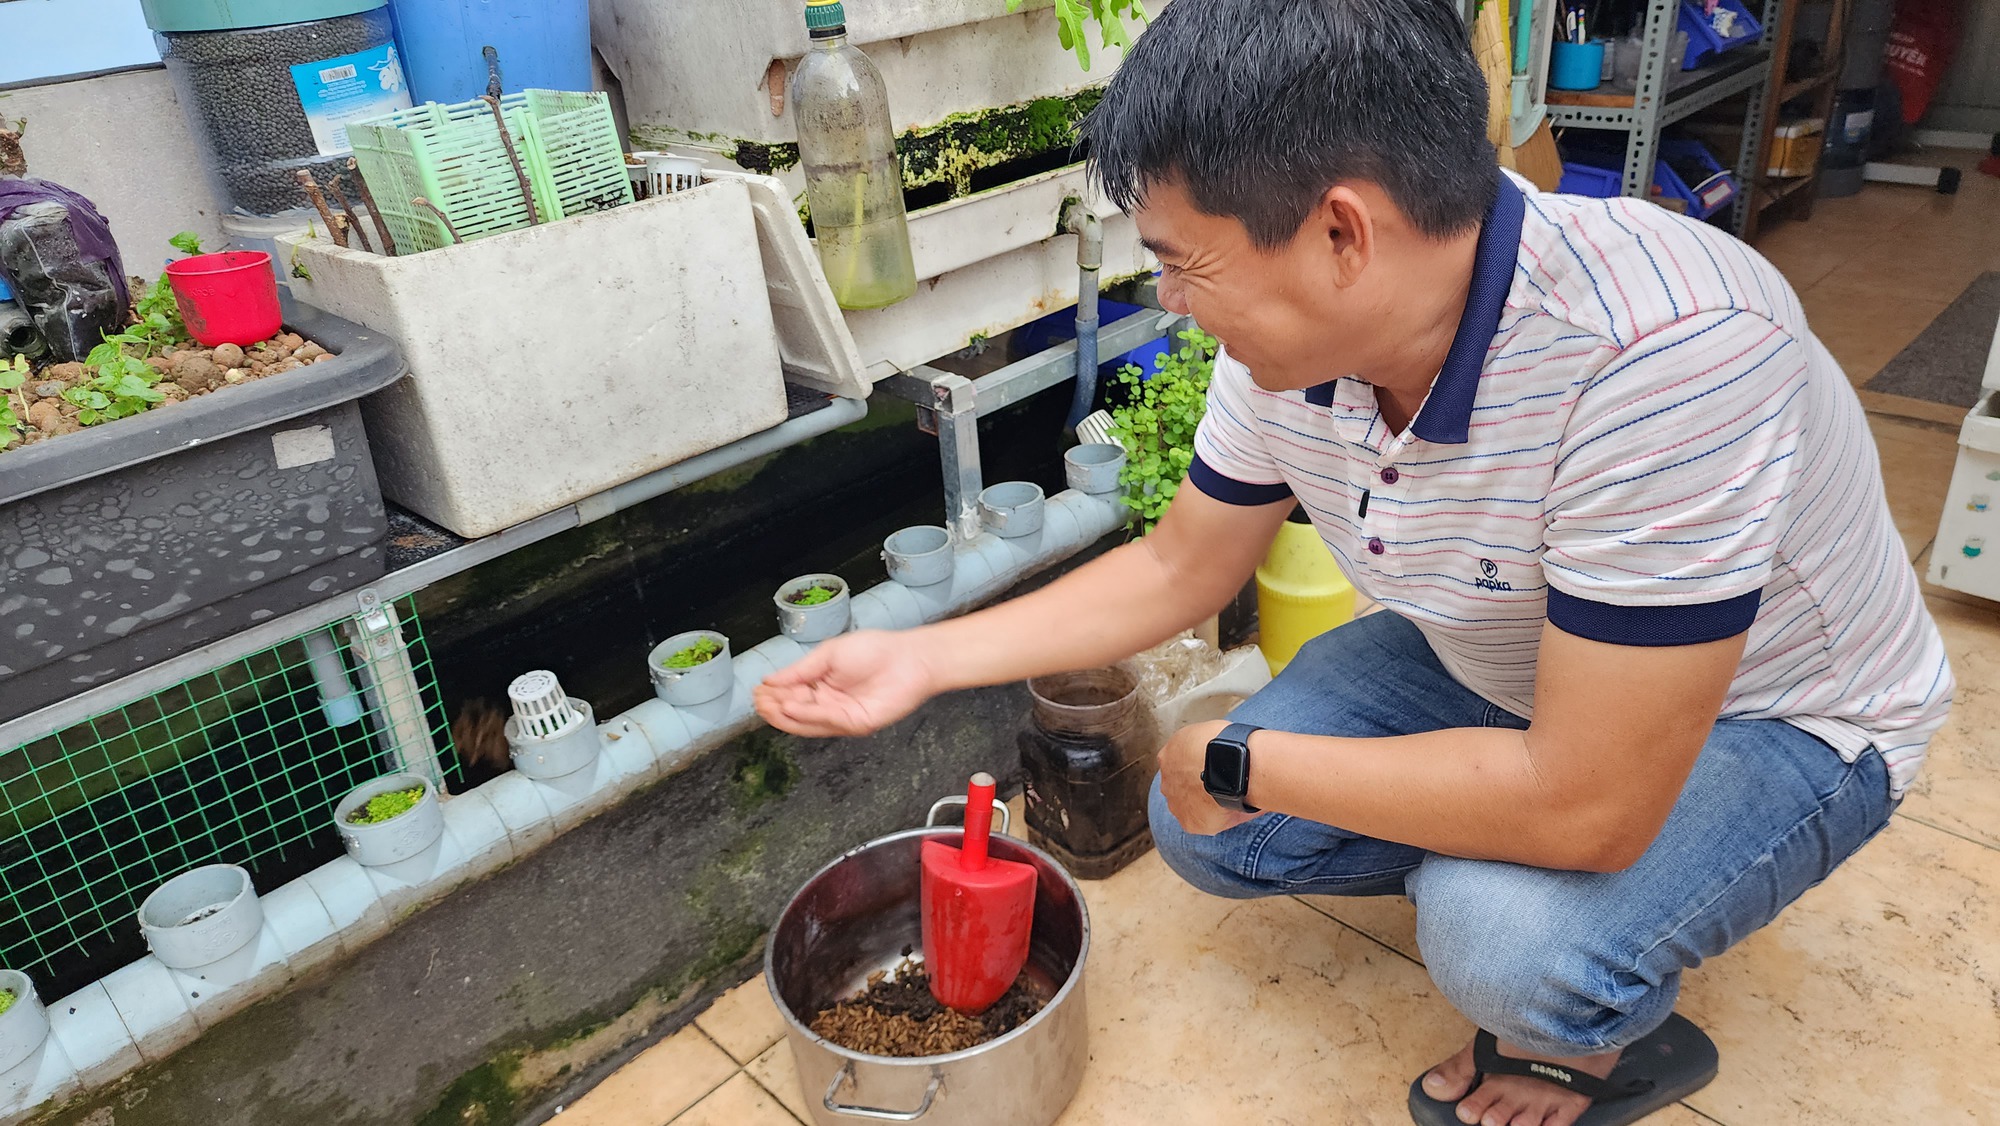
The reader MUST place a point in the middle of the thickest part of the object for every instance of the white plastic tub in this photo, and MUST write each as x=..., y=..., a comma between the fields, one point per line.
x=554, y=362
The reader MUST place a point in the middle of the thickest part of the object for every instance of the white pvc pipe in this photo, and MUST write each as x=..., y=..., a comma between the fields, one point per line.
x=981, y=570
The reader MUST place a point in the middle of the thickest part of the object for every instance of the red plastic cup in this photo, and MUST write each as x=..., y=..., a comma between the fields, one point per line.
x=227, y=298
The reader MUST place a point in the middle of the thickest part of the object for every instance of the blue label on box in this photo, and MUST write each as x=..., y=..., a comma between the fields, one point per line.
x=334, y=92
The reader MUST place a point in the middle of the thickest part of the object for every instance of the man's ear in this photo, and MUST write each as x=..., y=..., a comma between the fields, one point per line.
x=1347, y=226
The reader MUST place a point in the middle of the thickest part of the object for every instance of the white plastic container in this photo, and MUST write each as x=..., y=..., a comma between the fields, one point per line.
x=200, y=916
x=1966, y=556
x=556, y=361
x=399, y=838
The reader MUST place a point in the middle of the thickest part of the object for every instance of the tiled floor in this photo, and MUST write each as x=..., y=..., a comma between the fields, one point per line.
x=1875, y=999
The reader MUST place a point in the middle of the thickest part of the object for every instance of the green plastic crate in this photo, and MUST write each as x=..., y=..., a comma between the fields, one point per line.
x=452, y=156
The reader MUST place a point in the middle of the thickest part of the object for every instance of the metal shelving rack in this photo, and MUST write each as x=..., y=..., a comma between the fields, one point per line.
x=1657, y=103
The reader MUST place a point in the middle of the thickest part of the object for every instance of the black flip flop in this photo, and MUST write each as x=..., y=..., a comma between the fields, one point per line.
x=1667, y=1065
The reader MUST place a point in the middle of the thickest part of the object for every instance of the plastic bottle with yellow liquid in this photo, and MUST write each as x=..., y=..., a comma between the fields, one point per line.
x=1300, y=591
x=854, y=184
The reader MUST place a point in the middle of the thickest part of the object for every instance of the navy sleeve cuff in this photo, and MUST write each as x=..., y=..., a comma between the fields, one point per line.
x=1229, y=490
x=1653, y=625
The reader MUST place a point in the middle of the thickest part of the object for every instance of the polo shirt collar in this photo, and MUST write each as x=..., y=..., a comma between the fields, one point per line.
x=1446, y=416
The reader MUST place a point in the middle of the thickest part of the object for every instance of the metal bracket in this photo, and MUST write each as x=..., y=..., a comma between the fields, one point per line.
x=375, y=637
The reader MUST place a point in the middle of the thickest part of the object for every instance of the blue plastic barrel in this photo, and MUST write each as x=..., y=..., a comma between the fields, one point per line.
x=543, y=44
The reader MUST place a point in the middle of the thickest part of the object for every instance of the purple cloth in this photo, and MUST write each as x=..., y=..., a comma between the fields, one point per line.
x=92, y=230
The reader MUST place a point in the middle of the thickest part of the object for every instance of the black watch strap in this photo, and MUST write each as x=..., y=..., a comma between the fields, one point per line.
x=1226, y=773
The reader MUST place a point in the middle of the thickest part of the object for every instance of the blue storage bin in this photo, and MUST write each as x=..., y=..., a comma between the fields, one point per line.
x=1048, y=331
x=1713, y=187
x=544, y=44
x=1585, y=179
x=1704, y=45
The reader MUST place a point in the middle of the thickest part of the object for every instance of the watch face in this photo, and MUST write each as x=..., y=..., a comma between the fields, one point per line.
x=1228, y=768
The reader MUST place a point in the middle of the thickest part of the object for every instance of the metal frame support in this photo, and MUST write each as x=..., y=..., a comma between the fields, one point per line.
x=948, y=406
x=1649, y=97
x=375, y=637
x=1749, y=169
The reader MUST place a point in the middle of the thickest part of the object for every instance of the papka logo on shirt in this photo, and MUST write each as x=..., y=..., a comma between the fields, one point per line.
x=1489, y=577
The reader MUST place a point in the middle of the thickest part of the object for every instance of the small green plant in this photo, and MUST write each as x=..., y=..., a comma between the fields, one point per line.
x=1157, y=421
x=13, y=408
x=697, y=654
x=1110, y=18
x=382, y=807
x=187, y=242
x=120, y=383
x=814, y=596
x=7, y=999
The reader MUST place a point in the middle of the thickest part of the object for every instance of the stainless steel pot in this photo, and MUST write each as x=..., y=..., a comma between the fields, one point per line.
x=858, y=915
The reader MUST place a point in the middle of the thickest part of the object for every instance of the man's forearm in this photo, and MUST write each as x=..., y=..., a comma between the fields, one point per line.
x=1472, y=792
x=1112, y=607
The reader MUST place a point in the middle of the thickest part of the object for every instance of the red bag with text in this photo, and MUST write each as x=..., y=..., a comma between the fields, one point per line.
x=1922, y=40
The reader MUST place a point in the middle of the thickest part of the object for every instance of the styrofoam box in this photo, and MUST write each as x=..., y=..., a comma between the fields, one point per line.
x=556, y=361
x=1966, y=556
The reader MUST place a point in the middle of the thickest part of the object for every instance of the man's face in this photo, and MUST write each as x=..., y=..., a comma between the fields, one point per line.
x=1290, y=314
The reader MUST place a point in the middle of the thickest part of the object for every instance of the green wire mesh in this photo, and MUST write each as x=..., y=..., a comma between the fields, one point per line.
x=240, y=765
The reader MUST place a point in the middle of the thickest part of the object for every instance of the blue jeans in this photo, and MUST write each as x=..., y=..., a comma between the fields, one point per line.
x=1561, y=963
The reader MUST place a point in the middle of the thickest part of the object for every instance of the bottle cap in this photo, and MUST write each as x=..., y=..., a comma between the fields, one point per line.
x=823, y=15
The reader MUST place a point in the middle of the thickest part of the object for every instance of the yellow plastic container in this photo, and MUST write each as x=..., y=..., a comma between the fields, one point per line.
x=1300, y=592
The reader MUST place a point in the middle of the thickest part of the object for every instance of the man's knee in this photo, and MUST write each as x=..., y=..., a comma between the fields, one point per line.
x=1520, y=953
x=1211, y=864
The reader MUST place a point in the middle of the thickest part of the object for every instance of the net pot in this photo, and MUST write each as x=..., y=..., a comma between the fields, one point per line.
x=858, y=915
x=809, y=624
x=551, y=733
x=697, y=684
x=24, y=1026
x=202, y=915
x=400, y=837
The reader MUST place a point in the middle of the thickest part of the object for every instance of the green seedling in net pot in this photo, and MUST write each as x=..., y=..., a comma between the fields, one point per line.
x=814, y=596
x=7, y=999
x=697, y=654
x=382, y=807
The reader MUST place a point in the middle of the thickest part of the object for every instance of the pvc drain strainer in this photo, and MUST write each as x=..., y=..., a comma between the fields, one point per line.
x=541, y=708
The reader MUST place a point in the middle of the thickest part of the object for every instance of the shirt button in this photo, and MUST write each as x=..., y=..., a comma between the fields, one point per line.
x=1390, y=476
x=1375, y=545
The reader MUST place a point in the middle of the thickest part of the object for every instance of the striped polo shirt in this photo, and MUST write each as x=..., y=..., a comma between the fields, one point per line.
x=1636, y=437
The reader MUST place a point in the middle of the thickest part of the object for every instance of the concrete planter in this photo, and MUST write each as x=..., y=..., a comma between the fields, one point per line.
x=399, y=838
x=556, y=361
x=1012, y=509
x=23, y=1027
x=918, y=556
x=809, y=624
x=1093, y=468
x=200, y=916
x=684, y=688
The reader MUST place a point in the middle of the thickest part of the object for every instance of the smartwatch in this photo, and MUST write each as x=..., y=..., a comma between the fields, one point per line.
x=1227, y=773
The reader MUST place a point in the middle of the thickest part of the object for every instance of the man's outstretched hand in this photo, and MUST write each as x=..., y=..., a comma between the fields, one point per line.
x=854, y=684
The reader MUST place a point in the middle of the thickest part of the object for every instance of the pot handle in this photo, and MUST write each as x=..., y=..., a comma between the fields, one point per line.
x=1006, y=815
x=846, y=1075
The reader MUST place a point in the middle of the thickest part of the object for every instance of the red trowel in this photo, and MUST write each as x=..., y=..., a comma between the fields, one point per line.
x=977, y=911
